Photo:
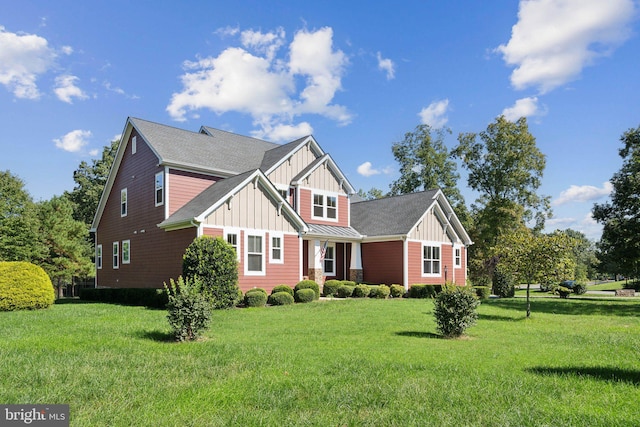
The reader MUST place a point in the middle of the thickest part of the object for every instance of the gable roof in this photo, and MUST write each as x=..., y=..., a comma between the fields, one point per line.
x=398, y=215
x=326, y=159
x=279, y=154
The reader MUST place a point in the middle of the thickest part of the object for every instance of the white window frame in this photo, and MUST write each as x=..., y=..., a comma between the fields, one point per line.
x=457, y=256
x=332, y=246
x=432, y=260
x=325, y=205
x=126, y=250
x=115, y=255
x=263, y=270
x=236, y=232
x=134, y=145
x=159, y=189
x=334, y=208
x=272, y=259
x=98, y=257
x=124, y=205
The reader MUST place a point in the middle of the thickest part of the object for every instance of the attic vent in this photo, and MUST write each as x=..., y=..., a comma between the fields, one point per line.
x=134, y=145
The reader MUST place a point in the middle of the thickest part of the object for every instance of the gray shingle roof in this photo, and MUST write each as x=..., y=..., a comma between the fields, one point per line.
x=333, y=231
x=217, y=151
x=391, y=216
x=274, y=155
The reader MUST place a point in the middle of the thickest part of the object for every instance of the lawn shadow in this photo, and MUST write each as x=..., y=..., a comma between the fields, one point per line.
x=159, y=336
x=600, y=373
x=72, y=300
x=418, y=334
x=571, y=306
x=501, y=318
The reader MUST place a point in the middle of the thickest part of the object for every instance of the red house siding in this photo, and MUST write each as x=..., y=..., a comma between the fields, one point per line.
x=382, y=262
x=305, y=210
x=184, y=186
x=156, y=255
x=446, y=259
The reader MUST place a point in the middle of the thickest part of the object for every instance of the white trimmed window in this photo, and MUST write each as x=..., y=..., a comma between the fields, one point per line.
x=232, y=236
x=318, y=205
x=254, y=254
x=134, y=145
x=126, y=251
x=325, y=207
x=116, y=255
x=329, y=262
x=430, y=260
x=457, y=257
x=332, y=207
x=123, y=202
x=99, y=257
x=159, y=188
x=277, y=251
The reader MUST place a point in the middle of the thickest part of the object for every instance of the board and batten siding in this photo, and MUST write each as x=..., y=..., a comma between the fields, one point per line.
x=184, y=186
x=284, y=174
x=429, y=228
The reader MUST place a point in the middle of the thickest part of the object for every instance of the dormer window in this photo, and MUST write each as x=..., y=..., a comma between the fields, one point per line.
x=325, y=207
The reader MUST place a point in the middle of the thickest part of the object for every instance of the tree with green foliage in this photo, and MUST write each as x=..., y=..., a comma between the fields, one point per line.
x=19, y=239
x=534, y=258
x=372, y=194
x=214, y=262
x=68, y=253
x=505, y=167
x=425, y=164
x=619, y=246
x=90, y=180
x=585, y=256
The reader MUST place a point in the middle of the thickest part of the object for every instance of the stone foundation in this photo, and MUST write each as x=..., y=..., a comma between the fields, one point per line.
x=316, y=275
x=356, y=275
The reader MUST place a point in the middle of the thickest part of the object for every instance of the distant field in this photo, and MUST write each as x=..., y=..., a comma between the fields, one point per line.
x=335, y=363
x=607, y=286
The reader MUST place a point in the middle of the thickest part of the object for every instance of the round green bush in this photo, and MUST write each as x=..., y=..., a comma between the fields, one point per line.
x=361, y=291
x=280, y=298
x=345, y=291
x=24, y=286
x=580, y=289
x=503, y=285
x=282, y=288
x=482, y=292
x=255, y=298
x=397, y=291
x=381, y=292
x=330, y=287
x=308, y=284
x=455, y=310
x=189, y=310
x=258, y=290
x=305, y=295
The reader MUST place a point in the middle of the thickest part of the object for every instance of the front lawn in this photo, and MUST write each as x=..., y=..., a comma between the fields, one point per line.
x=353, y=362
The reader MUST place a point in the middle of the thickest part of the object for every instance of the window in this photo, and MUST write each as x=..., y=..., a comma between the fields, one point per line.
x=126, y=251
x=254, y=259
x=318, y=205
x=123, y=202
x=329, y=261
x=232, y=236
x=284, y=194
x=159, y=188
x=458, y=259
x=325, y=207
x=134, y=145
x=116, y=254
x=99, y=257
x=332, y=207
x=430, y=260
x=276, y=249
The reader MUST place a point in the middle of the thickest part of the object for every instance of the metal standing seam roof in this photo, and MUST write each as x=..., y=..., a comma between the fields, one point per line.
x=333, y=231
x=391, y=216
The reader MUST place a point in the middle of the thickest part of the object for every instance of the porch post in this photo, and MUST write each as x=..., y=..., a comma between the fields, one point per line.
x=355, y=268
x=315, y=265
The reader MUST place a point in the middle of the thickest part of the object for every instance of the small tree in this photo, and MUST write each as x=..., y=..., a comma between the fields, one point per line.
x=455, y=310
x=214, y=262
x=189, y=309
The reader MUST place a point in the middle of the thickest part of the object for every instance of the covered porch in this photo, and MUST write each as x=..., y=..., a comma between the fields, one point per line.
x=331, y=252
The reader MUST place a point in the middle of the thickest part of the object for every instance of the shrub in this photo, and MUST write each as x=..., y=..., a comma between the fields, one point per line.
x=361, y=291
x=255, y=298
x=349, y=283
x=330, y=287
x=24, y=286
x=305, y=295
x=146, y=297
x=563, y=292
x=280, y=298
x=397, y=291
x=345, y=291
x=580, y=289
x=282, y=288
x=423, y=291
x=503, y=284
x=455, y=310
x=189, y=310
x=482, y=292
x=381, y=292
x=308, y=284
x=214, y=261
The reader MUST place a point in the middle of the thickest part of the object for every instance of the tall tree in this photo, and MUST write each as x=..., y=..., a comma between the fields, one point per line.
x=90, y=180
x=619, y=246
x=19, y=239
x=372, y=194
x=425, y=164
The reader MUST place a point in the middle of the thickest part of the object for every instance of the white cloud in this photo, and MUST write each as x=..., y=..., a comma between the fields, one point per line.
x=67, y=89
x=554, y=40
x=67, y=50
x=434, y=114
x=583, y=193
x=74, y=141
x=387, y=66
x=254, y=81
x=23, y=57
x=281, y=132
x=524, y=107
x=586, y=225
x=365, y=169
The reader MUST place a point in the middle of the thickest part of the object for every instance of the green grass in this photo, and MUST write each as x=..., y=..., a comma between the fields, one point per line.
x=607, y=286
x=336, y=363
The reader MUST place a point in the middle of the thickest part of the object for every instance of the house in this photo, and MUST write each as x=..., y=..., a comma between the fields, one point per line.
x=287, y=209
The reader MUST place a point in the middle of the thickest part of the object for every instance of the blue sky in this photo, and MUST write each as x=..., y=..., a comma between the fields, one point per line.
x=357, y=75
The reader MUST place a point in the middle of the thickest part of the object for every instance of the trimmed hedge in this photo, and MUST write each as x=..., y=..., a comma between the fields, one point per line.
x=308, y=284
x=345, y=291
x=281, y=298
x=482, y=292
x=145, y=297
x=424, y=291
x=24, y=286
x=330, y=287
x=361, y=291
x=305, y=295
x=256, y=297
x=282, y=288
x=397, y=291
x=380, y=291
